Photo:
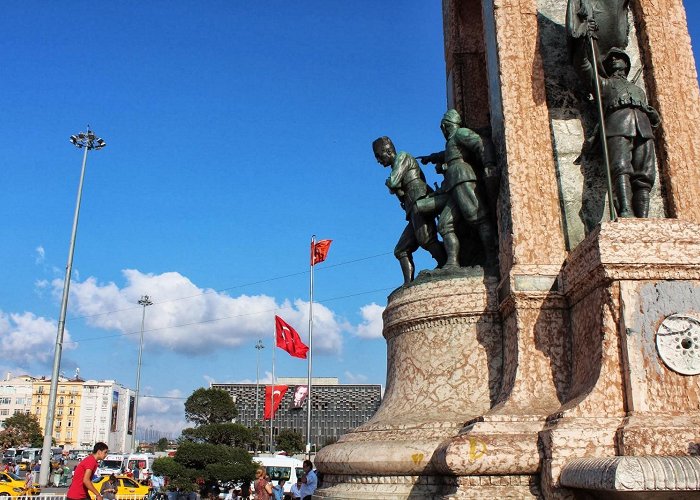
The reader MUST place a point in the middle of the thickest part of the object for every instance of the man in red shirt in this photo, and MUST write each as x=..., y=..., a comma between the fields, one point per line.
x=82, y=477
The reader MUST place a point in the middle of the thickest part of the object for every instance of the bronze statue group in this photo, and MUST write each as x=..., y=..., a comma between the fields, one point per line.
x=462, y=210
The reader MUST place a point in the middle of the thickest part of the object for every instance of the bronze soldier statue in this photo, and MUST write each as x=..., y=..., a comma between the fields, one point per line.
x=467, y=158
x=629, y=124
x=407, y=182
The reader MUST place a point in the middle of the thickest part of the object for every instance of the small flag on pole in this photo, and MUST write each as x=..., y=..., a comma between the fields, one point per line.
x=319, y=250
x=288, y=339
x=278, y=391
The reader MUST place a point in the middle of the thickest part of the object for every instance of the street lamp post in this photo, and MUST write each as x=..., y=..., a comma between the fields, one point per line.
x=87, y=141
x=258, y=347
x=144, y=301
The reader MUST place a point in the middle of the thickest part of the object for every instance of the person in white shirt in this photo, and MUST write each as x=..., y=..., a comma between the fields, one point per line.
x=309, y=481
x=296, y=490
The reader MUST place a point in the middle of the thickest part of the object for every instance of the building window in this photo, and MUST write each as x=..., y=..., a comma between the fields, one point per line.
x=4, y=411
x=70, y=411
x=60, y=400
x=70, y=423
x=5, y=401
x=41, y=389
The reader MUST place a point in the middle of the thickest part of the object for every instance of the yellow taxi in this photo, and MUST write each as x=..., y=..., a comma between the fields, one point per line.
x=126, y=487
x=13, y=485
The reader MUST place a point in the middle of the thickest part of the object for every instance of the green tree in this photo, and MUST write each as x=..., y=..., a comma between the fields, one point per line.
x=21, y=430
x=289, y=441
x=230, y=434
x=162, y=444
x=213, y=449
x=210, y=406
x=211, y=462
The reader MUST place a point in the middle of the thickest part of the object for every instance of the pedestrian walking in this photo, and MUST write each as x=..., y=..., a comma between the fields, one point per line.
x=263, y=489
x=309, y=481
x=81, y=484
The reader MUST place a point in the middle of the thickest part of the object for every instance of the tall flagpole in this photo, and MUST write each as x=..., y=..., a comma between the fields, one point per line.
x=311, y=336
x=272, y=396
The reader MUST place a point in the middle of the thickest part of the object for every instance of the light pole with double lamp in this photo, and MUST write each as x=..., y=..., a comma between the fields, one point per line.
x=144, y=301
x=86, y=141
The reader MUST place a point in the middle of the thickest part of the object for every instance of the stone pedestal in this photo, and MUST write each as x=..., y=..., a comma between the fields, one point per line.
x=623, y=283
x=444, y=365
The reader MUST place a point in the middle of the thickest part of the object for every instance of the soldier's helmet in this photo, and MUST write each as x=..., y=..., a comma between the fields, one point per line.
x=452, y=116
x=620, y=54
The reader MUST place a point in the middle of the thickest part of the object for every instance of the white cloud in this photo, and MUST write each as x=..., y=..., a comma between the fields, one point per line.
x=355, y=378
x=165, y=413
x=264, y=379
x=26, y=339
x=40, y=255
x=191, y=320
x=209, y=380
x=372, y=323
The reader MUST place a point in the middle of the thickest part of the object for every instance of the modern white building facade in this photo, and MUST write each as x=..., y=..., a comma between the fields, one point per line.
x=107, y=415
x=15, y=396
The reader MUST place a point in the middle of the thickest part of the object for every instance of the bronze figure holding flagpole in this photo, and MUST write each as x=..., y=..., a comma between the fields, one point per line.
x=626, y=120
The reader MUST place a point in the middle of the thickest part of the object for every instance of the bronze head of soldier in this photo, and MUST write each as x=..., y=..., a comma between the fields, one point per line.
x=384, y=151
x=617, y=62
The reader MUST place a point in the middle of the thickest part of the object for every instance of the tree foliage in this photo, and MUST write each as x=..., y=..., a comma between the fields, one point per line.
x=21, y=430
x=210, y=406
x=162, y=444
x=290, y=441
x=210, y=462
x=211, y=451
x=230, y=434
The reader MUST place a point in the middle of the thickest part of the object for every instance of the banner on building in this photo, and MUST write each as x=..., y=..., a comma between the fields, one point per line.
x=300, y=394
x=115, y=411
x=130, y=426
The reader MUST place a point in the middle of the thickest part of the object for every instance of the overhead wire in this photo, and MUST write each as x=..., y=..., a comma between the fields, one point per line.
x=233, y=287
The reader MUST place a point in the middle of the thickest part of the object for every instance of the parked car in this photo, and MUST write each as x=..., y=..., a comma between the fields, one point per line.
x=127, y=487
x=13, y=485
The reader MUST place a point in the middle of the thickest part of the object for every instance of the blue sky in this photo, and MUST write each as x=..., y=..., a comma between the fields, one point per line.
x=235, y=131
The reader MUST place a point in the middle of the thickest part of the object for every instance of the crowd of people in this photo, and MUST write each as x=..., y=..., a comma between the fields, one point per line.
x=262, y=488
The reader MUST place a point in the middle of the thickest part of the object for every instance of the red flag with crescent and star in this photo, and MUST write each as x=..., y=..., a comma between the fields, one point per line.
x=288, y=339
x=279, y=391
x=319, y=251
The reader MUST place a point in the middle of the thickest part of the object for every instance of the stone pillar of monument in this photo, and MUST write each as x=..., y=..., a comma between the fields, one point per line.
x=579, y=368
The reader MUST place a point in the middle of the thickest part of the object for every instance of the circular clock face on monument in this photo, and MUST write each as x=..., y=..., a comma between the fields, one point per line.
x=678, y=343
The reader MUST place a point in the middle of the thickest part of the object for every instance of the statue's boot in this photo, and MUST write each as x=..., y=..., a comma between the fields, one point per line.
x=624, y=197
x=407, y=268
x=640, y=203
x=488, y=240
x=437, y=250
x=452, y=249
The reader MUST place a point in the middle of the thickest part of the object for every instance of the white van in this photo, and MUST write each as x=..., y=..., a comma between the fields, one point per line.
x=281, y=467
x=144, y=461
x=112, y=464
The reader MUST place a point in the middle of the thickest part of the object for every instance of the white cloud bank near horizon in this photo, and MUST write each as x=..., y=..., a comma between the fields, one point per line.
x=187, y=319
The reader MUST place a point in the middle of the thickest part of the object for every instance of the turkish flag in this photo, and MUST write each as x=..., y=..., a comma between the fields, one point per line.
x=279, y=392
x=319, y=250
x=288, y=339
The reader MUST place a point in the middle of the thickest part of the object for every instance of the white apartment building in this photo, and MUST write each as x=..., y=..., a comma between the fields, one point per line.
x=106, y=414
x=15, y=396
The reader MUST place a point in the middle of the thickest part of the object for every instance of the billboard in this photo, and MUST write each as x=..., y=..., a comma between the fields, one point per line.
x=115, y=411
x=130, y=426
